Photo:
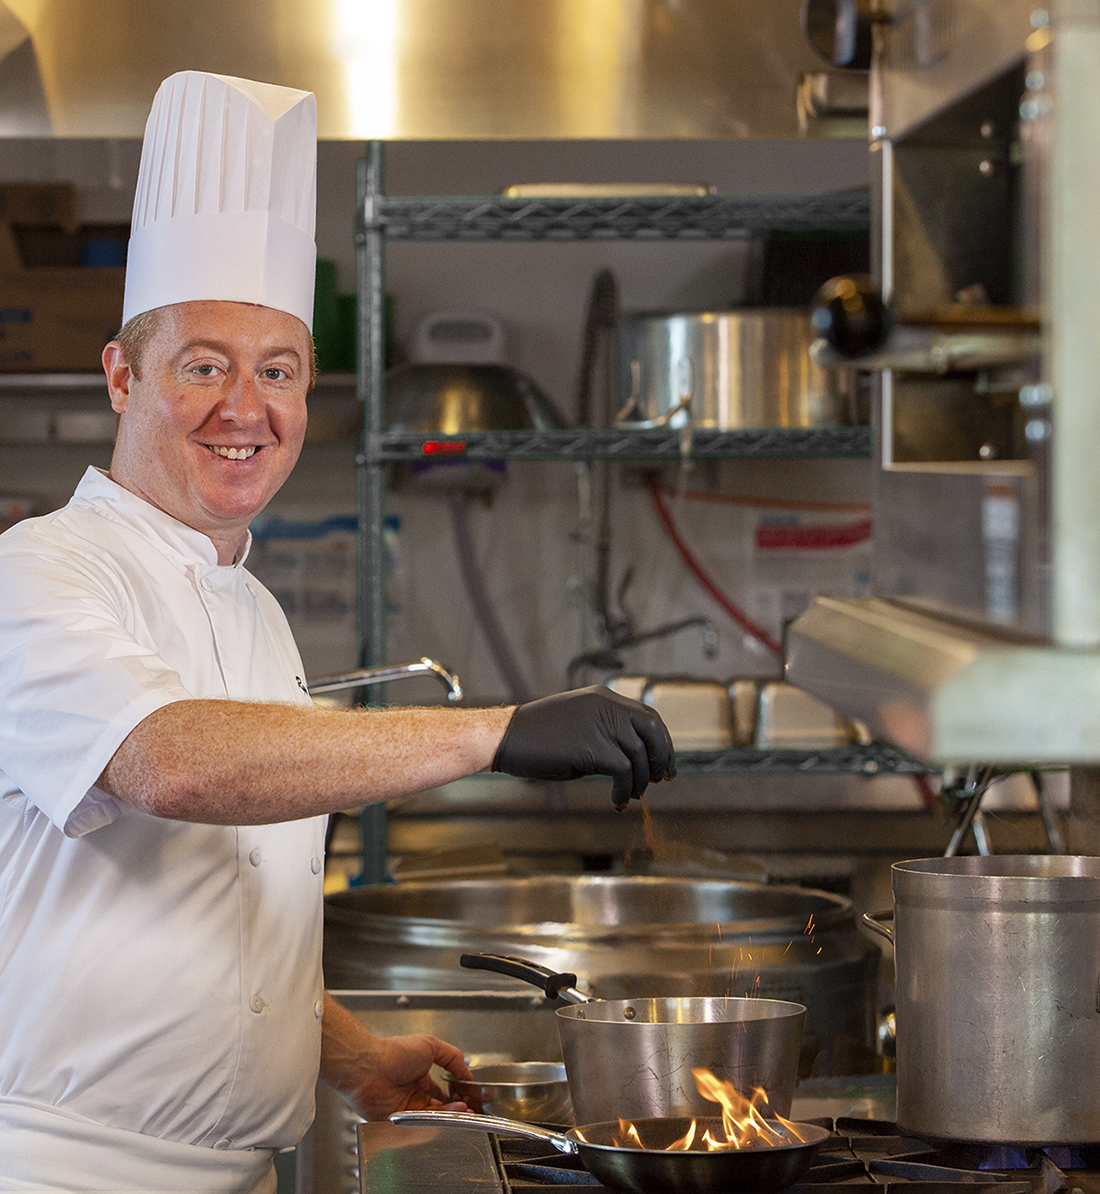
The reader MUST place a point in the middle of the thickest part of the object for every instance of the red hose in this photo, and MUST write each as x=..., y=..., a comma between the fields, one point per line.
x=696, y=569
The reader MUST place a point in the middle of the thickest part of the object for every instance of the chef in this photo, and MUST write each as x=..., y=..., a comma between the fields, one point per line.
x=164, y=777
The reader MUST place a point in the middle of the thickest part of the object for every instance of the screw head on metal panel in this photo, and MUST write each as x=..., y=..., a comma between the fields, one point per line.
x=1036, y=395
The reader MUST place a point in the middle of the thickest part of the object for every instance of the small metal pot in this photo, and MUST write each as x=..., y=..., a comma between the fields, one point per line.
x=727, y=370
x=530, y=1091
x=632, y=1058
x=998, y=997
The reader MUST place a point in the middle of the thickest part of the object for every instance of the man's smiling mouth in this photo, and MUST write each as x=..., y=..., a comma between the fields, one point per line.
x=233, y=453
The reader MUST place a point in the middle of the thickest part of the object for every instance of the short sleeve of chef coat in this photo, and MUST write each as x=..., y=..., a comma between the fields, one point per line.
x=73, y=681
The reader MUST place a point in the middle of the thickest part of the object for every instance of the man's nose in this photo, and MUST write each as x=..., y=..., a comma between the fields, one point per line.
x=242, y=402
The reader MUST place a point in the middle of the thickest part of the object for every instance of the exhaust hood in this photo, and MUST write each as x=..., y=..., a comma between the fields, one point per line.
x=982, y=642
x=423, y=69
x=945, y=692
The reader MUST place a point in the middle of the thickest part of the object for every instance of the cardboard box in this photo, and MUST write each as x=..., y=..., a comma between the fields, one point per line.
x=37, y=203
x=53, y=318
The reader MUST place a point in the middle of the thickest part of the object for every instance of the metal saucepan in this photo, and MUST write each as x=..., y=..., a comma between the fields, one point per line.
x=651, y=1169
x=530, y=1091
x=632, y=1058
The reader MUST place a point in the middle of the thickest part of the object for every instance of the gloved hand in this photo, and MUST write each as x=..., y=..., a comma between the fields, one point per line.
x=588, y=731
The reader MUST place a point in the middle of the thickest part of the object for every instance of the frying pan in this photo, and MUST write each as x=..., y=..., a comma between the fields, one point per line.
x=651, y=1170
x=633, y=1058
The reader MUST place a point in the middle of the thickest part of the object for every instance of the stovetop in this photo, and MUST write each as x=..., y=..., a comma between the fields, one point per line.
x=862, y=1153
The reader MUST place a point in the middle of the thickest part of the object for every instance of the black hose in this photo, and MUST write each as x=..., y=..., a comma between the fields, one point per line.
x=484, y=611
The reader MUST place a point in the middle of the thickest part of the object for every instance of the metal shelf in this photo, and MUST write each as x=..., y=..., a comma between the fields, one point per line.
x=64, y=383
x=702, y=217
x=755, y=443
x=873, y=759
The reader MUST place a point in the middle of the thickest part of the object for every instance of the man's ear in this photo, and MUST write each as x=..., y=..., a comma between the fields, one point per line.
x=119, y=374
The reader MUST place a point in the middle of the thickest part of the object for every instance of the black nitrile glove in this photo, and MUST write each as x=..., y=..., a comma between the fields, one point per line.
x=589, y=731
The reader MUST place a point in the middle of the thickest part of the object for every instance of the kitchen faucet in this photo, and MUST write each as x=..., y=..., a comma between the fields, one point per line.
x=383, y=673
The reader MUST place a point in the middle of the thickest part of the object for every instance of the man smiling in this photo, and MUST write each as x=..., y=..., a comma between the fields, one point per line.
x=214, y=412
x=164, y=779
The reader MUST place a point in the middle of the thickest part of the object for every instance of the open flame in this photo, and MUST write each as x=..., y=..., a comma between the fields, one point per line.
x=744, y=1124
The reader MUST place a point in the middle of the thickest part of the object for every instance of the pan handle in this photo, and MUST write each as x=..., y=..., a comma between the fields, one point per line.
x=485, y=1123
x=872, y=921
x=555, y=985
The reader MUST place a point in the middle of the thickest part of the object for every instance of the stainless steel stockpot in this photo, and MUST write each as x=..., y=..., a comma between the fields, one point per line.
x=726, y=370
x=998, y=997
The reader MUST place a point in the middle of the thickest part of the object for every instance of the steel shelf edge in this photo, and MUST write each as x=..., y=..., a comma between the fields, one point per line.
x=872, y=759
x=767, y=442
x=475, y=217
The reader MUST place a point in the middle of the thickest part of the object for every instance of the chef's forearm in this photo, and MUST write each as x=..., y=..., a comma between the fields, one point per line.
x=238, y=763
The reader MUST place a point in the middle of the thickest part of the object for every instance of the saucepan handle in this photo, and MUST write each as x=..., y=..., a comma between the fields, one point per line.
x=630, y=418
x=873, y=921
x=555, y=985
x=485, y=1123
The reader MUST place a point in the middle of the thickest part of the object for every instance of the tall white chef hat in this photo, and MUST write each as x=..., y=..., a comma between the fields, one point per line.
x=226, y=197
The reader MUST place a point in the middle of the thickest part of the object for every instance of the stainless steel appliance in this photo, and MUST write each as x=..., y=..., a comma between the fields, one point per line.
x=982, y=640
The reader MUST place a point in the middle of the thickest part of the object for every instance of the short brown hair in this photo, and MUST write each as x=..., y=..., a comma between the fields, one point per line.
x=136, y=333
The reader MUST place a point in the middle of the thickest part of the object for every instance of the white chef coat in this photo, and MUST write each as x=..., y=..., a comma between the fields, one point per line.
x=159, y=980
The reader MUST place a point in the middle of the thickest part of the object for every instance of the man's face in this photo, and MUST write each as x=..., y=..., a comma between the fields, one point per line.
x=213, y=426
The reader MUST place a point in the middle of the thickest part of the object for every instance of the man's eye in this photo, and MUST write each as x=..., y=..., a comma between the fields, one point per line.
x=275, y=374
x=205, y=370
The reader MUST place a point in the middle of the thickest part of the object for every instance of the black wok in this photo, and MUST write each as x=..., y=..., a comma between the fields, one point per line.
x=651, y=1170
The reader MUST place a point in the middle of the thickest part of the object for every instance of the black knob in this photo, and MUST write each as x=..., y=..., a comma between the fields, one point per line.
x=850, y=314
x=839, y=31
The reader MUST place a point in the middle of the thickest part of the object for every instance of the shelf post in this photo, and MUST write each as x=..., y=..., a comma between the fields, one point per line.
x=370, y=389
x=370, y=366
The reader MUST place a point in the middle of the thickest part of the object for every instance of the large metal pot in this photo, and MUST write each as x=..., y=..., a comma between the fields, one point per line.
x=998, y=998
x=624, y=937
x=727, y=370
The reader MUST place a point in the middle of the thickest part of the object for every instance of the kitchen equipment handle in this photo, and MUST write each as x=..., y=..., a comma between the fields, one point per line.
x=485, y=1123
x=627, y=424
x=687, y=385
x=556, y=985
x=872, y=921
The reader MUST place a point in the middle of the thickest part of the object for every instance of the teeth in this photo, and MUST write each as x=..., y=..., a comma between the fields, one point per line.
x=234, y=453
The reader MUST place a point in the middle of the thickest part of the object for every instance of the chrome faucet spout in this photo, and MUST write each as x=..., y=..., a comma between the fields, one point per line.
x=382, y=674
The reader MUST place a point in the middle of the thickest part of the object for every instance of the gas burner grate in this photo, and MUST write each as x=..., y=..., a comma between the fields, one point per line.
x=861, y=1157
x=862, y=1154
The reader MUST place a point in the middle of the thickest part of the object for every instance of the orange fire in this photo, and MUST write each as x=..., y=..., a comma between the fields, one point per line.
x=743, y=1123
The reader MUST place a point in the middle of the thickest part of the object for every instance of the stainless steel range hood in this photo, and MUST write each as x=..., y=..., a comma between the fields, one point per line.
x=945, y=692
x=982, y=644
x=426, y=69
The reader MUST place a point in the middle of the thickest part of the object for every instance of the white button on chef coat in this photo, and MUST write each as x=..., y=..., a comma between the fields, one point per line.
x=129, y=942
